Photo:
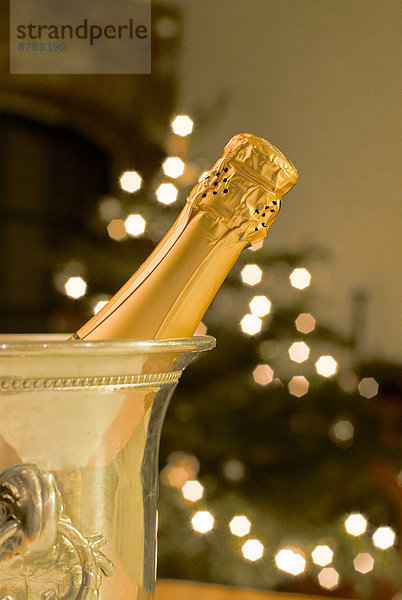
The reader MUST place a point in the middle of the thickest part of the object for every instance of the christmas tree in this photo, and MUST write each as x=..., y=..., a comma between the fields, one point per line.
x=280, y=455
x=280, y=451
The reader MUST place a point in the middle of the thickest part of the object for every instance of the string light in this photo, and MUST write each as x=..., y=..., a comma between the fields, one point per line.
x=322, y=555
x=177, y=476
x=256, y=246
x=117, y=230
x=290, y=561
x=300, y=278
x=167, y=27
x=202, y=521
x=341, y=432
x=298, y=386
x=182, y=125
x=263, y=374
x=173, y=167
x=75, y=287
x=192, y=490
x=240, y=526
x=368, y=387
x=201, y=329
x=252, y=550
x=251, y=324
x=130, y=181
x=356, y=524
x=109, y=208
x=233, y=470
x=167, y=193
x=305, y=323
x=384, y=538
x=299, y=352
x=347, y=381
x=251, y=274
x=260, y=306
x=99, y=305
x=364, y=562
x=326, y=366
x=135, y=225
x=181, y=467
x=328, y=578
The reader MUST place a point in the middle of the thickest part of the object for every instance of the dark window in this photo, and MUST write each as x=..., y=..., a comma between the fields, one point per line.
x=50, y=180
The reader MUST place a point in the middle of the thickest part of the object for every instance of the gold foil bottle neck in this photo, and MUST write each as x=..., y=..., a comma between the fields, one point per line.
x=232, y=207
x=244, y=188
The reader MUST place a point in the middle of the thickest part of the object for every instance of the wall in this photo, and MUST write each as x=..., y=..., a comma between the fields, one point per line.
x=319, y=79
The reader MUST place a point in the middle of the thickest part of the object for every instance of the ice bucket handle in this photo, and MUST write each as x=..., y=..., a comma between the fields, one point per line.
x=34, y=529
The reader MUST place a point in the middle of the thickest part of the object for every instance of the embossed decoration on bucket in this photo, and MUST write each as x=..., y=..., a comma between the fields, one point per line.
x=42, y=555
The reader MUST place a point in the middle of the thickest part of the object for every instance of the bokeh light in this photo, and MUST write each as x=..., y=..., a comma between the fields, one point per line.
x=173, y=166
x=356, y=524
x=368, y=387
x=305, y=323
x=260, y=306
x=263, y=374
x=299, y=352
x=233, y=470
x=181, y=467
x=166, y=27
x=290, y=561
x=251, y=274
x=322, y=555
x=167, y=193
x=201, y=329
x=240, y=525
x=384, y=538
x=300, y=278
x=75, y=287
x=256, y=246
x=130, y=181
x=298, y=386
x=135, y=225
x=117, y=230
x=326, y=366
x=99, y=305
x=182, y=125
x=109, y=208
x=341, y=432
x=252, y=550
x=328, y=578
x=192, y=490
x=364, y=562
x=202, y=521
x=251, y=324
x=347, y=381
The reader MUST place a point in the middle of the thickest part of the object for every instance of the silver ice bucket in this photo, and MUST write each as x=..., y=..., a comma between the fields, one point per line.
x=80, y=425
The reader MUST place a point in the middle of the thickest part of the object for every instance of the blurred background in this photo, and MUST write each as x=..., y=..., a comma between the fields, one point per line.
x=281, y=456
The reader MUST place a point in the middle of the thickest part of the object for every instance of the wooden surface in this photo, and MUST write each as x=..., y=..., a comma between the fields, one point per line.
x=183, y=590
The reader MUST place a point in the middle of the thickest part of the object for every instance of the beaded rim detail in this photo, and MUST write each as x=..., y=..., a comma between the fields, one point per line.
x=11, y=384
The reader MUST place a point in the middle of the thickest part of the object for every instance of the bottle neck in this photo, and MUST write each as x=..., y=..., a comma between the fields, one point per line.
x=170, y=293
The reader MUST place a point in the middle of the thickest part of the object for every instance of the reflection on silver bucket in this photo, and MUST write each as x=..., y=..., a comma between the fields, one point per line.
x=79, y=436
x=42, y=556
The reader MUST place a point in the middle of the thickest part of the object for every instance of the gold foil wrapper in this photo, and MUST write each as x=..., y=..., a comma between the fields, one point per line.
x=232, y=207
x=244, y=188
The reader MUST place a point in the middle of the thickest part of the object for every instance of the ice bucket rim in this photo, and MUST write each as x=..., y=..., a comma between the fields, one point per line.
x=60, y=344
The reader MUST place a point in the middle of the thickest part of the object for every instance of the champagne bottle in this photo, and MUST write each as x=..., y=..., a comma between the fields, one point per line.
x=232, y=207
